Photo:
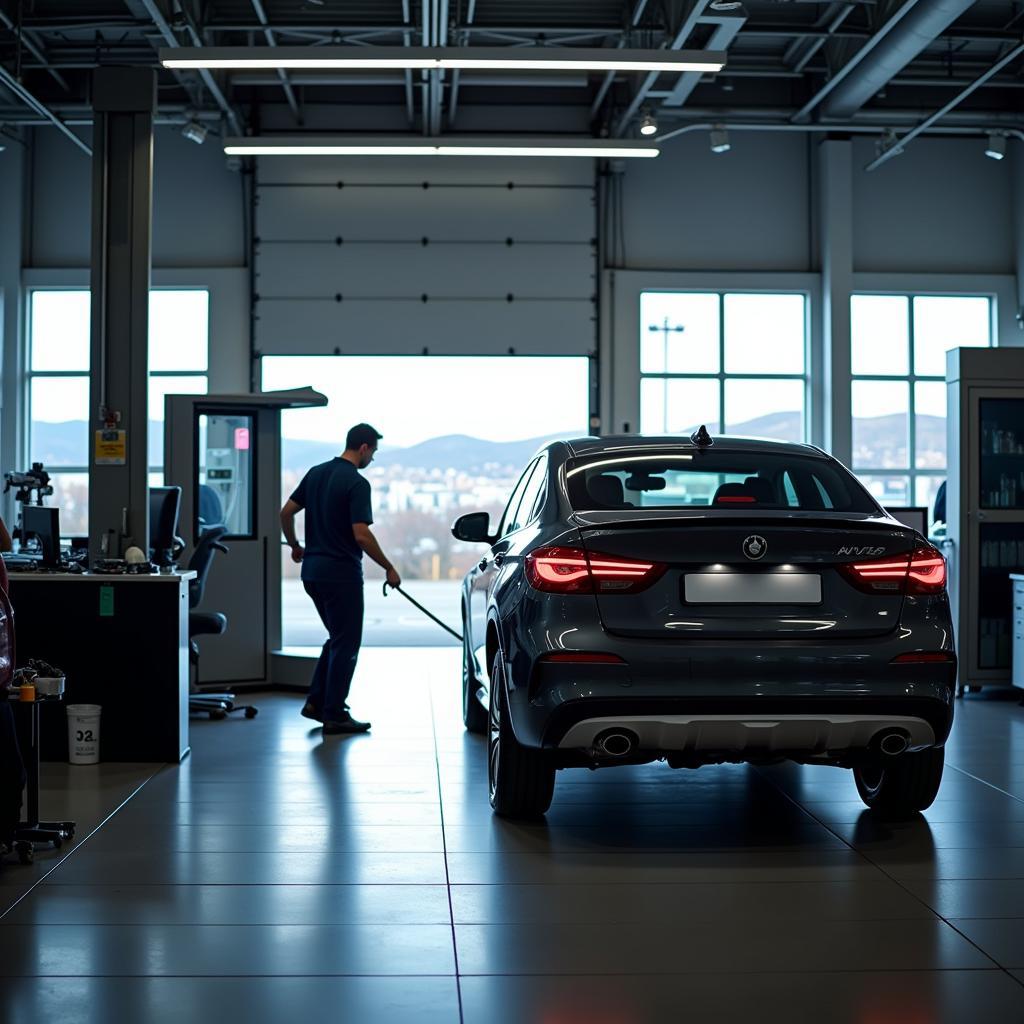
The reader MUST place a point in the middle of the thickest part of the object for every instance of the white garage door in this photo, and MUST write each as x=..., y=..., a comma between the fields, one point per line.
x=435, y=256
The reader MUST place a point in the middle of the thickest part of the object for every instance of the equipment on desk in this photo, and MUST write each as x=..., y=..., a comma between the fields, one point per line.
x=34, y=479
x=216, y=705
x=42, y=523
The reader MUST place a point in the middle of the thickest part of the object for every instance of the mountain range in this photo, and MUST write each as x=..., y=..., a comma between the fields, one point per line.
x=62, y=444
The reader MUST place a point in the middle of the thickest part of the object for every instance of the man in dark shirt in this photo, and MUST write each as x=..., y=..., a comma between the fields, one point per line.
x=336, y=499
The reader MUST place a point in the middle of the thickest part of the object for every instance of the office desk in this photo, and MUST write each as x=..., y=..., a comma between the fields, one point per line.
x=123, y=643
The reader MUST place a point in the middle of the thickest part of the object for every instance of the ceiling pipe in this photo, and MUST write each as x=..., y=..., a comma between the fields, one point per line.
x=914, y=32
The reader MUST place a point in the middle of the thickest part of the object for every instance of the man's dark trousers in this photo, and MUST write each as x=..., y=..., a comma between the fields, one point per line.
x=340, y=606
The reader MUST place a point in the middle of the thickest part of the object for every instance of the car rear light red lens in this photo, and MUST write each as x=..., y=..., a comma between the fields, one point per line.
x=736, y=499
x=572, y=571
x=922, y=572
x=924, y=658
x=583, y=658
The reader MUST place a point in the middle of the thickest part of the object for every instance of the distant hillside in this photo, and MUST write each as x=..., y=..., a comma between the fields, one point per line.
x=65, y=444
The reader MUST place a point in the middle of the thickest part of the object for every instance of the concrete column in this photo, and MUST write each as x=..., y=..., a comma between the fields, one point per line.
x=835, y=225
x=124, y=101
x=12, y=188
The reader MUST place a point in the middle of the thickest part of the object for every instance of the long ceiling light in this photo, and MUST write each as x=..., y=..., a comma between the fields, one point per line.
x=382, y=145
x=493, y=58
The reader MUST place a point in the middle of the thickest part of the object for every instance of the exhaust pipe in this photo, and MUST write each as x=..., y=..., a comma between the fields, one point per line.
x=614, y=742
x=893, y=743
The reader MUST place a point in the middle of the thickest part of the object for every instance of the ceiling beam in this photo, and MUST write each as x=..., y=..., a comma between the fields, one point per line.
x=20, y=92
x=28, y=38
x=286, y=85
x=152, y=8
x=727, y=27
x=900, y=144
x=856, y=60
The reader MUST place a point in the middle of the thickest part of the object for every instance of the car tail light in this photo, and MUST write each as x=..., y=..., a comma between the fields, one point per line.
x=575, y=571
x=922, y=572
x=924, y=658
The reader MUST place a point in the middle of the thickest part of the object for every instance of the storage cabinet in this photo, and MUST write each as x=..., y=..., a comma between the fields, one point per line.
x=984, y=542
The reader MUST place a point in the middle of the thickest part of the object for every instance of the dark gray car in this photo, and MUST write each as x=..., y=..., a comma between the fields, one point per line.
x=704, y=601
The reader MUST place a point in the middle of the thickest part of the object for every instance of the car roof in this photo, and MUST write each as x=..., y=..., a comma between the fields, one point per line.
x=632, y=442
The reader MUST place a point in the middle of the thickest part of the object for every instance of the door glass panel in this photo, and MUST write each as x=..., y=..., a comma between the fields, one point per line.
x=224, y=493
x=1002, y=552
x=679, y=332
x=880, y=423
x=1002, y=453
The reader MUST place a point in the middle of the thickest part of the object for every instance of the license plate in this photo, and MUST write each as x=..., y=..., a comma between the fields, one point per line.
x=752, y=588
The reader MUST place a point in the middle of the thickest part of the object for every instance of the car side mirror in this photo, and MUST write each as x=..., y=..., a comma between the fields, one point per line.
x=474, y=527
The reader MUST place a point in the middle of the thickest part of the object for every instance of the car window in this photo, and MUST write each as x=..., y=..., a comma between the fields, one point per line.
x=516, y=517
x=722, y=479
x=529, y=504
x=513, y=502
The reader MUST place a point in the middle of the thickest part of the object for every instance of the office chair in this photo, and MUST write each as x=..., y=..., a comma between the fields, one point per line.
x=215, y=704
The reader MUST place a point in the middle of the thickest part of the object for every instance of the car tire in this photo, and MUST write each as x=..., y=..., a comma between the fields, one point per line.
x=474, y=714
x=521, y=780
x=901, y=786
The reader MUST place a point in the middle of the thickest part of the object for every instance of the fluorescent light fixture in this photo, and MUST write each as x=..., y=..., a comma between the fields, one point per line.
x=432, y=58
x=417, y=145
x=995, y=147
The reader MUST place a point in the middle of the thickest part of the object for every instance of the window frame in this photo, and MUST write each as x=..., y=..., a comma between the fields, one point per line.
x=722, y=377
x=29, y=375
x=912, y=472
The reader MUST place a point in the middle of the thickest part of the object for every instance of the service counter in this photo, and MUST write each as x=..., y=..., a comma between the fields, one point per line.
x=122, y=642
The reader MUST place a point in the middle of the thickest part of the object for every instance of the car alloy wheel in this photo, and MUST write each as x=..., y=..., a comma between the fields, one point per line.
x=494, y=736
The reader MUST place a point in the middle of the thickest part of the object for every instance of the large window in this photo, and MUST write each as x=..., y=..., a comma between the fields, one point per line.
x=735, y=361
x=898, y=362
x=58, y=383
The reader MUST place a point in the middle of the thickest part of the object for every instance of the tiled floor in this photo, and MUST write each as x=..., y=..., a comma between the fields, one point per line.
x=277, y=876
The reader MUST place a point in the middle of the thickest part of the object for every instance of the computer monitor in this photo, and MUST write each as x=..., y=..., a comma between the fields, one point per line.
x=913, y=516
x=164, y=504
x=43, y=523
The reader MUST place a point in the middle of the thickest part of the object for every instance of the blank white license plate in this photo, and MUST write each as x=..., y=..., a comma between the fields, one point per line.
x=752, y=588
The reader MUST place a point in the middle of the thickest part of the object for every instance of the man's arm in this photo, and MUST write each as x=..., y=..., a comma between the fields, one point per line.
x=5, y=537
x=366, y=540
x=288, y=513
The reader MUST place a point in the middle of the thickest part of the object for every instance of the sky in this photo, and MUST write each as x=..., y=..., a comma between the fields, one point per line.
x=410, y=399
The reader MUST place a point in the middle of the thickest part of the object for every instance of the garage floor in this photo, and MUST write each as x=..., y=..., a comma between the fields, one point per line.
x=275, y=876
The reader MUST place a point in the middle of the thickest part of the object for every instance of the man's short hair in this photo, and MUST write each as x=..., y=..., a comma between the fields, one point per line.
x=360, y=434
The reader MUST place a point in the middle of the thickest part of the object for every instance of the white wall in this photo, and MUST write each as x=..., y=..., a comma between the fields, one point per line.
x=748, y=209
x=197, y=203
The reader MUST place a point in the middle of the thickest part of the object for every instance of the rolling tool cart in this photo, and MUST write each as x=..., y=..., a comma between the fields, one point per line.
x=32, y=831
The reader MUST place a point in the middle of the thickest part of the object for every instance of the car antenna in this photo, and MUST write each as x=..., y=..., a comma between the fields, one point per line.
x=701, y=438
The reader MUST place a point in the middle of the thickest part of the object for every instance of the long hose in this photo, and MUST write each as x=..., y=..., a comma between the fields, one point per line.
x=427, y=612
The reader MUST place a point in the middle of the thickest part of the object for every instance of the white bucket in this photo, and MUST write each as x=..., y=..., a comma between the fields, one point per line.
x=84, y=733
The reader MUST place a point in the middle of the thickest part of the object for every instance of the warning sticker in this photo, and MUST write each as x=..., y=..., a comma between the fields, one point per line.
x=111, y=448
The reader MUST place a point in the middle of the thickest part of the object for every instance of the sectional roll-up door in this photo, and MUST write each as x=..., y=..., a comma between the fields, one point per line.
x=447, y=256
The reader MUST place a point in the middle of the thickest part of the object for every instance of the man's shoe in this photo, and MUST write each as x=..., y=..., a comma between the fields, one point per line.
x=345, y=725
x=309, y=711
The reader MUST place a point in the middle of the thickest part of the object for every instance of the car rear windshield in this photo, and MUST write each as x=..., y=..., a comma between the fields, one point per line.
x=727, y=480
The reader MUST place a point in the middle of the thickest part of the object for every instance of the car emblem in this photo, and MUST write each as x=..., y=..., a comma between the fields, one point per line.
x=754, y=547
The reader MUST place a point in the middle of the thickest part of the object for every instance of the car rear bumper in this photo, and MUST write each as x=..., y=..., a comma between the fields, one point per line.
x=811, y=735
